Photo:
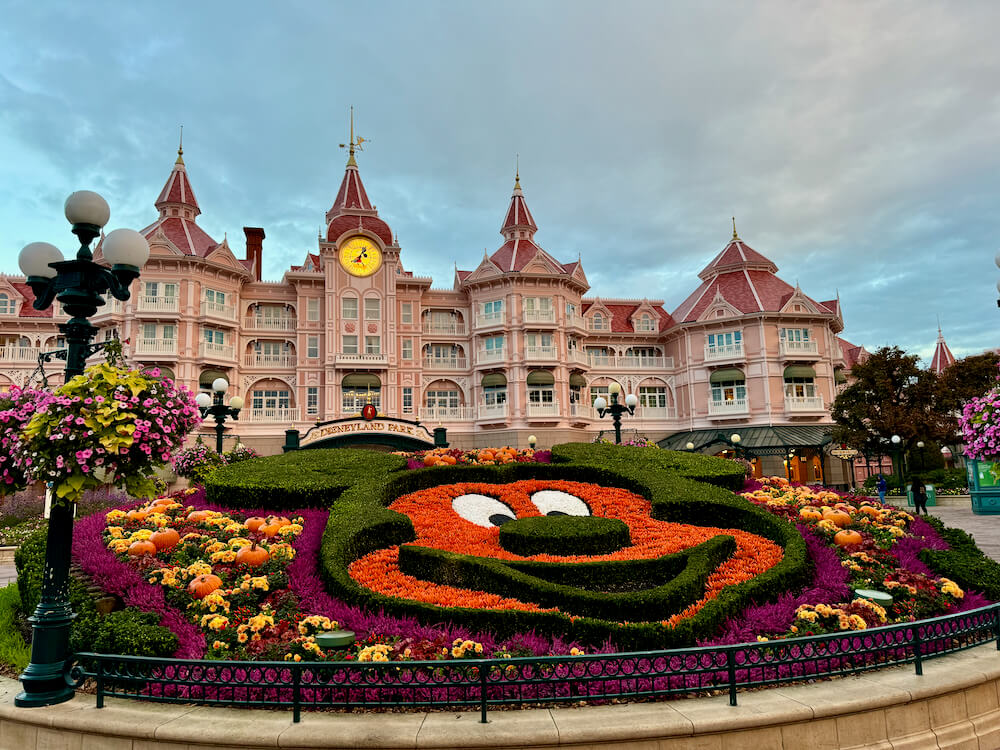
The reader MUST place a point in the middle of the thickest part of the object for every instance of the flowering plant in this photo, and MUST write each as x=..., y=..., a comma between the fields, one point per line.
x=197, y=461
x=980, y=424
x=16, y=409
x=110, y=425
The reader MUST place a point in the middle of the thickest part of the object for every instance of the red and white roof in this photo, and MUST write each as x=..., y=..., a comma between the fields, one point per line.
x=351, y=210
x=178, y=209
x=851, y=352
x=27, y=310
x=943, y=358
x=622, y=314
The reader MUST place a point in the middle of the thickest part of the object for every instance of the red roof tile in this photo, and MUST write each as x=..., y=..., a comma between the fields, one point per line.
x=518, y=215
x=27, y=311
x=347, y=222
x=621, y=315
x=852, y=354
x=189, y=238
x=736, y=254
x=943, y=358
x=352, y=193
x=178, y=189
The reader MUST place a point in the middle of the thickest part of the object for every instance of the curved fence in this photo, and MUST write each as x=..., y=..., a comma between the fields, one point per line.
x=482, y=683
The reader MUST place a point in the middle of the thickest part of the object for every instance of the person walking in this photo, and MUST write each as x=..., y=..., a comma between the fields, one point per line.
x=881, y=485
x=919, y=495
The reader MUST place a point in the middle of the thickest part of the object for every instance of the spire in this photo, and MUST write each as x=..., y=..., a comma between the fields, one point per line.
x=177, y=193
x=352, y=195
x=735, y=236
x=180, y=148
x=518, y=217
x=517, y=171
x=354, y=144
x=943, y=358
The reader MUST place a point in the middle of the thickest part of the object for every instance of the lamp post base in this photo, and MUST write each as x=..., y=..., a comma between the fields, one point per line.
x=45, y=685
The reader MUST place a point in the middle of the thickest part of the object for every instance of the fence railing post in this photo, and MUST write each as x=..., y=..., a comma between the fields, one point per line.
x=100, y=683
x=483, y=669
x=731, y=669
x=996, y=624
x=296, y=693
x=917, y=648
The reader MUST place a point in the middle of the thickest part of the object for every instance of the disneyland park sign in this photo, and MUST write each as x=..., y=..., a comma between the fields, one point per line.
x=377, y=425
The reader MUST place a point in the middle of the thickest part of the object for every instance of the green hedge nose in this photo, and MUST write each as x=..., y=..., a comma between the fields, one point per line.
x=564, y=535
x=122, y=632
x=964, y=563
x=360, y=523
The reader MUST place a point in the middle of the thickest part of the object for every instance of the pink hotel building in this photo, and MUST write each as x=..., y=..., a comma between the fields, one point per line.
x=513, y=348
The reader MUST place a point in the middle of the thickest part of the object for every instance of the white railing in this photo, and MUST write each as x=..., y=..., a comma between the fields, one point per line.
x=217, y=310
x=216, y=351
x=158, y=304
x=803, y=403
x=799, y=348
x=576, y=321
x=270, y=324
x=726, y=351
x=581, y=358
x=284, y=414
x=445, y=363
x=456, y=328
x=365, y=360
x=543, y=409
x=539, y=316
x=154, y=346
x=111, y=306
x=731, y=407
x=600, y=360
x=493, y=411
x=582, y=410
x=269, y=360
x=540, y=352
x=484, y=320
x=489, y=355
x=19, y=353
x=649, y=413
x=446, y=413
x=644, y=363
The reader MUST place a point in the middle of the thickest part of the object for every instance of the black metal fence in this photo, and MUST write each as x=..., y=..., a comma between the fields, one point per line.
x=481, y=683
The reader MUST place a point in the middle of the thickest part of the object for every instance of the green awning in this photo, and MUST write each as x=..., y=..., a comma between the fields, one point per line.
x=727, y=375
x=494, y=379
x=576, y=379
x=839, y=376
x=208, y=377
x=361, y=380
x=799, y=371
x=758, y=441
x=540, y=377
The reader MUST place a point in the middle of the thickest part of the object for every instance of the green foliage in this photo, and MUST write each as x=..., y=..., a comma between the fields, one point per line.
x=564, y=535
x=966, y=379
x=964, y=563
x=14, y=652
x=132, y=632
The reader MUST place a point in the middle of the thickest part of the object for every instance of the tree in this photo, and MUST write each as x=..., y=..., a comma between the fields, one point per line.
x=965, y=380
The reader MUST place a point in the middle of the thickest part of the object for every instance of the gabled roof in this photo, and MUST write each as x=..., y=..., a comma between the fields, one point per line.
x=621, y=314
x=27, y=311
x=851, y=352
x=943, y=358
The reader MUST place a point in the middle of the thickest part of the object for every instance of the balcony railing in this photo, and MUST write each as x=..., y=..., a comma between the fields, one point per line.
x=804, y=403
x=111, y=306
x=19, y=353
x=363, y=360
x=147, y=347
x=629, y=362
x=484, y=356
x=282, y=414
x=445, y=363
x=447, y=413
x=158, y=304
x=540, y=316
x=550, y=409
x=493, y=411
x=725, y=351
x=731, y=408
x=270, y=324
x=540, y=353
x=582, y=411
x=580, y=358
x=576, y=321
x=799, y=349
x=211, y=350
x=651, y=413
x=450, y=328
x=485, y=320
x=217, y=310
x=269, y=360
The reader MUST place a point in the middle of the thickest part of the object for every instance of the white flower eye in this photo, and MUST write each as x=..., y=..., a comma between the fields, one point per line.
x=556, y=503
x=482, y=510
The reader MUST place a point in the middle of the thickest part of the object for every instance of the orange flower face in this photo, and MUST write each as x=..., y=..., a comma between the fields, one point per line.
x=465, y=520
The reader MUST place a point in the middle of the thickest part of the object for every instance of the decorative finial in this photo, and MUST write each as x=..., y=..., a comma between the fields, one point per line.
x=354, y=144
x=180, y=148
x=735, y=236
x=517, y=171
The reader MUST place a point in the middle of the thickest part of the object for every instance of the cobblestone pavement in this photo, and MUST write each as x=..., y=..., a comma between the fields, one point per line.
x=956, y=511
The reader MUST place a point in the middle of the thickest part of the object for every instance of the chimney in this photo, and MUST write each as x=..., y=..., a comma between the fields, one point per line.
x=255, y=247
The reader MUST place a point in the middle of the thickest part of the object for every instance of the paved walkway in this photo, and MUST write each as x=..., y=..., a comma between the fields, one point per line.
x=956, y=511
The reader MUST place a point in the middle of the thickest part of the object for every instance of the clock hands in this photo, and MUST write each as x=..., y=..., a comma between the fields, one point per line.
x=363, y=254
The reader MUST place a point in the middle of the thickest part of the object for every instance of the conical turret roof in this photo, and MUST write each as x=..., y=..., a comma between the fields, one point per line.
x=943, y=358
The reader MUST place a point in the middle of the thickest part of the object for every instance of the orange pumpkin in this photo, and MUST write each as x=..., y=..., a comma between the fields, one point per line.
x=137, y=515
x=280, y=520
x=838, y=518
x=255, y=522
x=203, y=585
x=843, y=538
x=142, y=547
x=450, y=460
x=165, y=538
x=269, y=529
x=869, y=510
x=430, y=460
x=253, y=556
x=197, y=516
x=811, y=514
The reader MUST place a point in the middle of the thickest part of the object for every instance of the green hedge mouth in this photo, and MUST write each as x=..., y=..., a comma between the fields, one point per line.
x=564, y=535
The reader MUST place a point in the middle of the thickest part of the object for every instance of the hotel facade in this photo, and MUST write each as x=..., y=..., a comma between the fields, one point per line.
x=515, y=348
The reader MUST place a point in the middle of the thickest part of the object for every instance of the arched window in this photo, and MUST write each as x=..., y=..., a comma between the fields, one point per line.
x=6, y=305
x=359, y=389
x=597, y=322
x=800, y=382
x=728, y=385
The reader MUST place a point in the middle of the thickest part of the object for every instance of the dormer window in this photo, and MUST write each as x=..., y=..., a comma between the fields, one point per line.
x=645, y=323
x=7, y=305
x=598, y=322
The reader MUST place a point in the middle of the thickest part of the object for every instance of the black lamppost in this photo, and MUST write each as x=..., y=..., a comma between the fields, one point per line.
x=79, y=285
x=920, y=446
x=214, y=407
x=896, y=440
x=615, y=408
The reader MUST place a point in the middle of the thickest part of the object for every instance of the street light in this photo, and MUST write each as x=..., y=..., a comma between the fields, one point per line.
x=896, y=440
x=79, y=285
x=213, y=406
x=920, y=446
x=532, y=440
x=615, y=408
x=946, y=455
x=689, y=446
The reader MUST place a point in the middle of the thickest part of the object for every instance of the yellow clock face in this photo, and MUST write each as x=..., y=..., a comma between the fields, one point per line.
x=360, y=257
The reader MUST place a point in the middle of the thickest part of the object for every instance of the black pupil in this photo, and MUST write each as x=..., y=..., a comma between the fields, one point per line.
x=499, y=519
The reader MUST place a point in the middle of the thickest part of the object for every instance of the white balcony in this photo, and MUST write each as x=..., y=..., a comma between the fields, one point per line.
x=269, y=360
x=630, y=362
x=447, y=413
x=576, y=321
x=453, y=328
x=210, y=350
x=800, y=404
x=578, y=357
x=655, y=413
x=445, y=363
x=147, y=304
x=540, y=316
x=735, y=407
x=150, y=347
x=582, y=411
x=112, y=306
x=362, y=360
x=799, y=349
x=216, y=310
x=487, y=356
x=600, y=360
x=486, y=320
x=283, y=415
x=19, y=353
x=493, y=412
x=724, y=352
x=543, y=409
x=269, y=324
x=536, y=353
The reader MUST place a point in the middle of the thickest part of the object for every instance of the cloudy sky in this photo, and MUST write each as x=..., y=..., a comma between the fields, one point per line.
x=855, y=142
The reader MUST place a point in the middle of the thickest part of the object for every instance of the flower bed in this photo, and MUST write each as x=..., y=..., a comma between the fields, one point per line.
x=479, y=456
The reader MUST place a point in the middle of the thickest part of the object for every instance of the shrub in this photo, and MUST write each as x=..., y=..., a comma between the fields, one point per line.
x=964, y=563
x=132, y=632
x=564, y=535
x=14, y=652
